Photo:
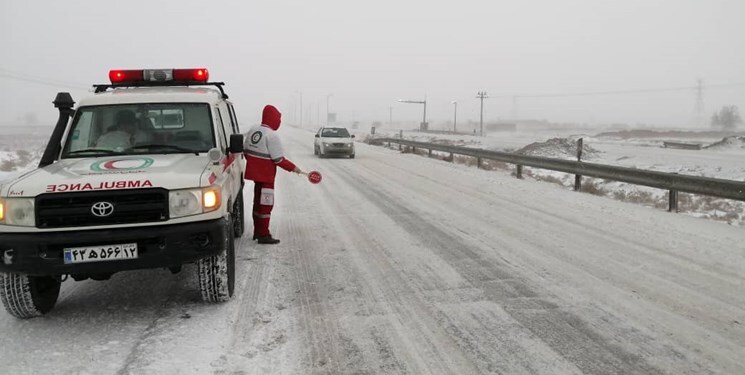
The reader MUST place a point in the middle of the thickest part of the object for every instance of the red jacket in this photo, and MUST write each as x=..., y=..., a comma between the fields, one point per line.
x=263, y=149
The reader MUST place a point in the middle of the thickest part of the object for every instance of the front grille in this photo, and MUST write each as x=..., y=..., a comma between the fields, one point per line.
x=339, y=144
x=74, y=209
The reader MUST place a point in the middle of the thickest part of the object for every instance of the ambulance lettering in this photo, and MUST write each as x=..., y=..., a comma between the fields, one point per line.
x=61, y=188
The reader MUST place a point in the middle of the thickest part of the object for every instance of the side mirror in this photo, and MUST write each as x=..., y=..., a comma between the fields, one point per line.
x=236, y=143
x=352, y=135
x=318, y=136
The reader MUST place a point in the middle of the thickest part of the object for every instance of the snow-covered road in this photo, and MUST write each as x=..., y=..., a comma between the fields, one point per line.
x=397, y=263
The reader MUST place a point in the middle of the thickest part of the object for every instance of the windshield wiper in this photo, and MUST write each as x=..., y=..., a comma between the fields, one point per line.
x=95, y=150
x=170, y=147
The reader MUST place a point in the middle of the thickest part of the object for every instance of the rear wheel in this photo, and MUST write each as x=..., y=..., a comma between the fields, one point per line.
x=351, y=156
x=217, y=273
x=28, y=296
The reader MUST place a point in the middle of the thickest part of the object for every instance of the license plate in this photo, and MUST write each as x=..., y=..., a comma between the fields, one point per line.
x=100, y=253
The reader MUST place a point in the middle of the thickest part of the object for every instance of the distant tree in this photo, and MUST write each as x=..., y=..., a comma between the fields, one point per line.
x=727, y=118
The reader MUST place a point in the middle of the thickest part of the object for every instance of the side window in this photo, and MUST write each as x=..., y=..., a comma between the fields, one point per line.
x=81, y=137
x=220, y=130
x=236, y=128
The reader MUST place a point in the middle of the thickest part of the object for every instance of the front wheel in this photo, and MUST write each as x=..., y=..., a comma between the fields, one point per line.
x=239, y=218
x=217, y=273
x=28, y=296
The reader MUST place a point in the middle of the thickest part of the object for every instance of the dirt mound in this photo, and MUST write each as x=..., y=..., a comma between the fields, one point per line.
x=726, y=143
x=559, y=148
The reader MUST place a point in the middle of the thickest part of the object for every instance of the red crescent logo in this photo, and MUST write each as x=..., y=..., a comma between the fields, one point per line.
x=110, y=164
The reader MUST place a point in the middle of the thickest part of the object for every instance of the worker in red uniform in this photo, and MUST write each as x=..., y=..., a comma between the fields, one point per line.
x=264, y=153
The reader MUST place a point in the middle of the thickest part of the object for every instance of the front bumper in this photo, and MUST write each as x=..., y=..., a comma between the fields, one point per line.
x=40, y=254
x=338, y=150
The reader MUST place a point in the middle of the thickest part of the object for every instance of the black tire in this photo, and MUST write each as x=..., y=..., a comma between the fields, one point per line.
x=315, y=150
x=351, y=156
x=28, y=296
x=217, y=273
x=239, y=217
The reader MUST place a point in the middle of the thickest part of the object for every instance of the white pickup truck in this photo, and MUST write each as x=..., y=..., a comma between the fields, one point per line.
x=145, y=173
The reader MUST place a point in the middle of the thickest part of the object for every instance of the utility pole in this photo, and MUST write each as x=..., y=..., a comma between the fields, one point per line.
x=301, y=108
x=424, y=117
x=699, y=111
x=327, y=108
x=455, y=116
x=482, y=95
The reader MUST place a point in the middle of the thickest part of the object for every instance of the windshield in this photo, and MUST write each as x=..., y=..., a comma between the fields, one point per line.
x=140, y=129
x=335, y=133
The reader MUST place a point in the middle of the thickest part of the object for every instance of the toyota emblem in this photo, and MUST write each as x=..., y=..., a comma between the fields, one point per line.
x=102, y=209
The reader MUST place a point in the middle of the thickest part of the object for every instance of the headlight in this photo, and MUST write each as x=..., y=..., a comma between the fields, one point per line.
x=326, y=144
x=185, y=202
x=194, y=201
x=17, y=211
x=349, y=145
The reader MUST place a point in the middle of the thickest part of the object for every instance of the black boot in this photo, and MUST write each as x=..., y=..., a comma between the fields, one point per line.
x=268, y=240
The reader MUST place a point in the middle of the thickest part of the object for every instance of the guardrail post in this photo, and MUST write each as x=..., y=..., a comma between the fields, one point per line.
x=519, y=172
x=452, y=159
x=430, y=153
x=478, y=162
x=400, y=136
x=673, y=206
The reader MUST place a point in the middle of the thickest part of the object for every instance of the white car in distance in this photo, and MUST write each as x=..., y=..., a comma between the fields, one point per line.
x=333, y=141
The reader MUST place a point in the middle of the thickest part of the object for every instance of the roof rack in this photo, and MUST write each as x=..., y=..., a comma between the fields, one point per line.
x=105, y=86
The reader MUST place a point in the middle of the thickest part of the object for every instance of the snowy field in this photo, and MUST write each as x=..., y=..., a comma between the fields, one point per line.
x=400, y=264
x=718, y=158
x=21, y=148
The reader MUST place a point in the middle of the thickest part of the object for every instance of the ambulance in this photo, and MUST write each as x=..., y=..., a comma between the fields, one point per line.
x=145, y=173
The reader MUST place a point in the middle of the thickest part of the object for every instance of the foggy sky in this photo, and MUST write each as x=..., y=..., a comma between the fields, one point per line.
x=369, y=54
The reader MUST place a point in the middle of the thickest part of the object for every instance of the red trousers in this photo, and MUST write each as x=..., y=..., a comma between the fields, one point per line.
x=262, y=208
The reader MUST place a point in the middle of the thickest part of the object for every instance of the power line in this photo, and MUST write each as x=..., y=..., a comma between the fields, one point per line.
x=39, y=80
x=620, y=92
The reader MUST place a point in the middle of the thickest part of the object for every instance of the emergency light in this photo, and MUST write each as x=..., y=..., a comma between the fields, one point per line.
x=198, y=75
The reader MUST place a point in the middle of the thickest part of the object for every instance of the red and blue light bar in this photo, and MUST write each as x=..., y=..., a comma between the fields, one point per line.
x=196, y=75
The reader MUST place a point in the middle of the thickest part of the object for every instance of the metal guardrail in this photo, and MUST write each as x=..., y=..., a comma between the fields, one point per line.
x=669, y=181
